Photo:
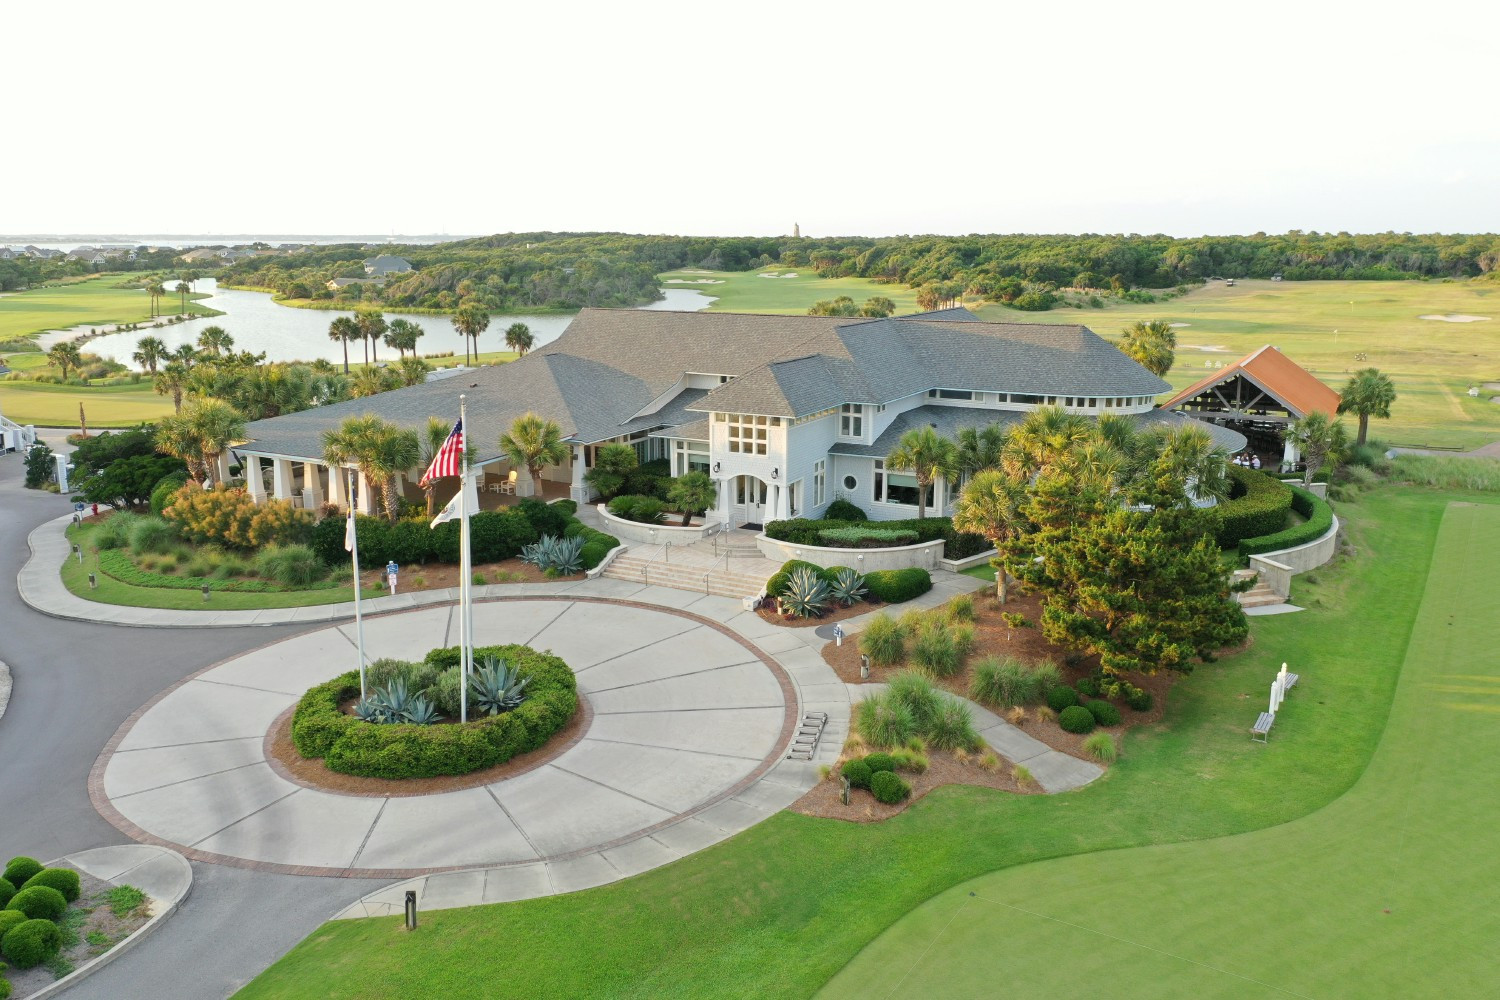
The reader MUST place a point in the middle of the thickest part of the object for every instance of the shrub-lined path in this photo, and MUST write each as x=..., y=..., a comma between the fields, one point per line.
x=684, y=748
x=1386, y=892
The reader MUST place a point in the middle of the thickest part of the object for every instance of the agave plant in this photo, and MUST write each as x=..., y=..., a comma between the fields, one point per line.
x=396, y=703
x=563, y=556
x=497, y=686
x=805, y=595
x=847, y=587
x=421, y=711
x=371, y=709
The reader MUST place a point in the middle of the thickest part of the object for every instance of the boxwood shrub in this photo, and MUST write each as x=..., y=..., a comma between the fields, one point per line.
x=64, y=880
x=1104, y=713
x=1319, y=519
x=1257, y=506
x=9, y=919
x=31, y=943
x=858, y=773
x=1076, y=719
x=1061, y=698
x=896, y=585
x=21, y=868
x=888, y=787
x=880, y=762
x=843, y=510
x=39, y=902
x=6, y=891
x=350, y=746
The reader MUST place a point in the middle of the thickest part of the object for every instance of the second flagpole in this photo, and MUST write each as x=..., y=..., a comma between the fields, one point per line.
x=466, y=654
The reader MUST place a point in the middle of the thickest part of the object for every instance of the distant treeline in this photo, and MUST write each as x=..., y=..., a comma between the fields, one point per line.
x=23, y=272
x=572, y=270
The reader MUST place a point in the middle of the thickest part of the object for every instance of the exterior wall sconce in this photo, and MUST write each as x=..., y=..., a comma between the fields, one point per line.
x=776, y=472
x=717, y=467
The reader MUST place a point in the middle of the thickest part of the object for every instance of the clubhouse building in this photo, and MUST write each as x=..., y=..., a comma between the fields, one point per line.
x=785, y=413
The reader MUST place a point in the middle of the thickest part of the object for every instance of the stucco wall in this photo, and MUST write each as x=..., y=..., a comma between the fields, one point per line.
x=635, y=531
x=1277, y=568
x=926, y=555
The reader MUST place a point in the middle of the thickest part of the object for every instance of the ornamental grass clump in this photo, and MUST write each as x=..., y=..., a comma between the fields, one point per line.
x=884, y=722
x=290, y=565
x=1003, y=682
x=916, y=694
x=935, y=650
x=952, y=728
x=1101, y=747
x=151, y=534
x=961, y=609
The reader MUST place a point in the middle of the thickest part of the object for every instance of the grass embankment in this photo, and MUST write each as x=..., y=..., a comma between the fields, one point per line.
x=99, y=301
x=1322, y=325
x=1373, y=896
x=789, y=290
x=777, y=910
x=75, y=577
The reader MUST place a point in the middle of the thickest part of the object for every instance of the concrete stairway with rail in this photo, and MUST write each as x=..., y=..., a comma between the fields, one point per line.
x=725, y=566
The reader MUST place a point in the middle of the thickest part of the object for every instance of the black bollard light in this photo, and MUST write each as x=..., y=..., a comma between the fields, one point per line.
x=411, y=909
x=93, y=582
x=77, y=551
x=205, y=593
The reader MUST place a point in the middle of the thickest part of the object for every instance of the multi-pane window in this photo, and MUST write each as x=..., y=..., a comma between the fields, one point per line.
x=852, y=420
x=893, y=487
x=748, y=432
x=820, y=481
x=794, y=498
x=692, y=456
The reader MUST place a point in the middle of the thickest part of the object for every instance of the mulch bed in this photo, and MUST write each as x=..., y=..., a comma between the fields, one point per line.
x=441, y=576
x=767, y=612
x=945, y=769
x=89, y=914
x=281, y=754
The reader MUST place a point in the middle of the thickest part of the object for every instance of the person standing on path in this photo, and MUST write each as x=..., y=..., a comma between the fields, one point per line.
x=391, y=569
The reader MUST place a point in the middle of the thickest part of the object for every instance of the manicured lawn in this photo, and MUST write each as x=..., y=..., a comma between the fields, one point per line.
x=747, y=291
x=98, y=300
x=1373, y=896
x=781, y=908
x=75, y=577
x=1322, y=325
x=48, y=405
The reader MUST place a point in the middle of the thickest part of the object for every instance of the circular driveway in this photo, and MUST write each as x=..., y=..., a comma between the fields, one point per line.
x=686, y=715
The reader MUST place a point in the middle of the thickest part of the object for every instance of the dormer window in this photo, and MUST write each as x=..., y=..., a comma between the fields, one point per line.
x=852, y=420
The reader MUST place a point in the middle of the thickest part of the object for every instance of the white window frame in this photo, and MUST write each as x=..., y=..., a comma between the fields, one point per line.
x=820, y=481
x=793, y=499
x=852, y=420
x=749, y=433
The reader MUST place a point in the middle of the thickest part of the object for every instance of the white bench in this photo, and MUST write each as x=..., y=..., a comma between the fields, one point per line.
x=1262, y=728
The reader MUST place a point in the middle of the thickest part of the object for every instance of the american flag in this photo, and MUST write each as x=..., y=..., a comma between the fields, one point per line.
x=446, y=461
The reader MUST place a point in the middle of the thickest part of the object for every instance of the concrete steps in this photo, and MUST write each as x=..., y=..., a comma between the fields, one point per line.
x=682, y=574
x=1258, y=596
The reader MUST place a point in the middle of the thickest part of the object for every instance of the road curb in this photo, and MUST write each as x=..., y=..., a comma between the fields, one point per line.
x=5, y=686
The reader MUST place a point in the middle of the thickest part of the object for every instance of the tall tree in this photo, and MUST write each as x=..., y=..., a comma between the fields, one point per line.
x=929, y=457
x=991, y=505
x=1187, y=465
x=380, y=449
x=403, y=336
x=471, y=320
x=200, y=433
x=1368, y=393
x=1320, y=441
x=371, y=327
x=1151, y=342
x=64, y=355
x=534, y=442
x=980, y=448
x=1042, y=438
x=171, y=380
x=186, y=355
x=149, y=353
x=156, y=290
x=518, y=338
x=341, y=331
x=215, y=340
x=182, y=290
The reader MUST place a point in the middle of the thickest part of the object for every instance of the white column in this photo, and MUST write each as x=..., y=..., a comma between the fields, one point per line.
x=337, y=493
x=253, y=480
x=1289, y=453
x=221, y=467
x=312, y=484
x=524, y=485
x=366, y=504
x=939, y=491
x=281, y=478
x=579, y=490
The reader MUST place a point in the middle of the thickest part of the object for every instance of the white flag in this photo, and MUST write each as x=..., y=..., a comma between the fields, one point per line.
x=349, y=531
x=450, y=512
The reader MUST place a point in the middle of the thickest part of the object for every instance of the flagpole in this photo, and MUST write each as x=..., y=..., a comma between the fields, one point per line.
x=466, y=625
x=359, y=622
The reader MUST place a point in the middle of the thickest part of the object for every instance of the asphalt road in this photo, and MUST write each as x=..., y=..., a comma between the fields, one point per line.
x=74, y=683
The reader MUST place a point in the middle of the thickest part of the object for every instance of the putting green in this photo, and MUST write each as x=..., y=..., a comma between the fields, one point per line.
x=1386, y=892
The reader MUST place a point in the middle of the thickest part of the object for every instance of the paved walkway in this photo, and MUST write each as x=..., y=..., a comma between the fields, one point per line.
x=1054, y=770
x=691, y=720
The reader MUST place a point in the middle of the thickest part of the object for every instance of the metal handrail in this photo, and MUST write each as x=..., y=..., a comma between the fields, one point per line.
x=664, y=555
x=709, y=571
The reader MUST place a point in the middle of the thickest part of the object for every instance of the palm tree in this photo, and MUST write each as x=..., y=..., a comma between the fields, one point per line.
x=149, y=352
x=371, y=327
x=215, y=340
x=185, y=354
x=1368, y=393
x=343, y=330
x=980, y=448
x=1042, y=439
x=412, y=371
x=174, y=436
x=1188, y=455
x=156, y=290
x=534, y=442
x=471, y=320
x=172, y=379
x=403, y=336
x=991, y=506
x=371, y=381
x=199, y=434
x=518, y=338
x=182, y=290
x=380, y=449
x=1153, y=344
x=929, y=457
x=432, y=441
x=65, y=355
x=1320, y=440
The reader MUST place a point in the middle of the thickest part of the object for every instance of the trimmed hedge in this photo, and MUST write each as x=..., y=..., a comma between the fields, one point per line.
x=64, y=880
x=806, y=531
x=843, y=510
x=1319, y=519
x=21, y=868
x=31, y=943
x=350, y=746
x=39, y=902
x=894, y=586
x=9, y=919
x=494, y=536
x=1257, y=506
x=866, y=537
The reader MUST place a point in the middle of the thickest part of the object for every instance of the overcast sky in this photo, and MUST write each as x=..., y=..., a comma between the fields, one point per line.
x=429, y=116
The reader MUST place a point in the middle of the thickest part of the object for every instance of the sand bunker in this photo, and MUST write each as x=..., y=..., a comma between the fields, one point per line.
x=1205, y=347
x=1491, y=386
x=1455, y=318
x=694, y=281
x=1179, y=324
x=770, y=275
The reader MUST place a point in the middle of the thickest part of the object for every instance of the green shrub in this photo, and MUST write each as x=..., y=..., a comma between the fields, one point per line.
x=290, y=565
x=915, y=693
x=935, y=650
x=39, y=902
x=893, y=586
x=64, y=880
x=1047, y=676
x=910, y=760
x=865, y=538
x=1257, y=506
x=1319, y=519
x=1104, y=713
x=776, y=586
x=883, y=641
x=568, y=507
x=843, y=510
x=1101, y=747
x=858, y=773
x=31, y=943
x=952, y=728
x=1087, y=687
x=5, y=986
x=888, y=787
x=9, y=919
x=21, y=868
x=1003, y=683
x=645, y=509
x=1076, y=719
x=544, y=518
x=166, y=491
x=963, y=640
x=880, y=762
x=114, y=533
x=7, y=890
x=961, y=609
x=1140, y=700
x=1061, y=698
x=152, y=534
x=883, y=722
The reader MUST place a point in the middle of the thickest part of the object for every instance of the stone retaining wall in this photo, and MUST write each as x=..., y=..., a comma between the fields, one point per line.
x=1277, y=568
x=926, y=555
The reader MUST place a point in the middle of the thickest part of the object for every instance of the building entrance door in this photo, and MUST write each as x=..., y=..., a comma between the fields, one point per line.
x=750, y=493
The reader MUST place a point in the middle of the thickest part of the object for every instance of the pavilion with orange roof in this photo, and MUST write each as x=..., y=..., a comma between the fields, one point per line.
x=1258, y=395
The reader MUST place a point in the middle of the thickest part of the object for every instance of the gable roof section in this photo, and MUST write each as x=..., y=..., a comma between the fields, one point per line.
x=1297, y=388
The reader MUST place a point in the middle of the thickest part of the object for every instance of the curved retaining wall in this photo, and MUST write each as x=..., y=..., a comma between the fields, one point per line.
x=635, y=531
x=1277, y=568
x=926, y=555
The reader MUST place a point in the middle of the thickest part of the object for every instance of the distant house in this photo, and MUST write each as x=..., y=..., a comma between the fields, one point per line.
x=6, y=253
x=338, y=283
x=201, y=254
x=386, y=264
x=42, y=253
